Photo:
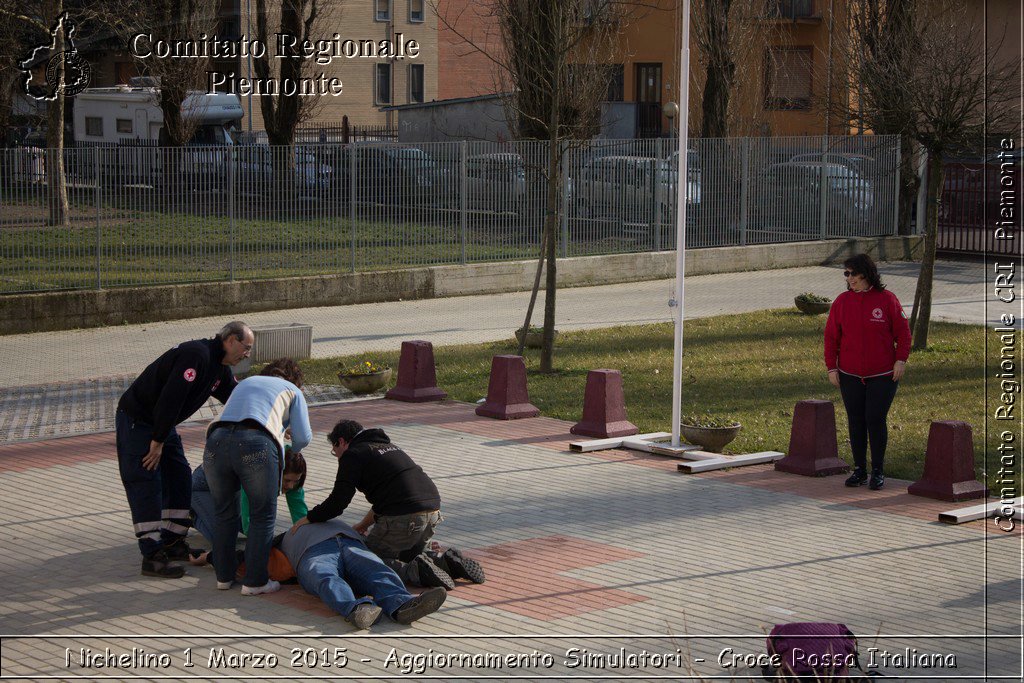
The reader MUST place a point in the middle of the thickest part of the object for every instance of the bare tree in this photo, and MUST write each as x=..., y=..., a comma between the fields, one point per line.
x=555, y=65
x=920, y=70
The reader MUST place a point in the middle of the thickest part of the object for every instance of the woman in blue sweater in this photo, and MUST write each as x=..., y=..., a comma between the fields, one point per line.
x=245, y=450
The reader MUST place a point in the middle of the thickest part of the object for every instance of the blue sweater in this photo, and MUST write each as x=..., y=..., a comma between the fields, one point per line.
x=275, y=403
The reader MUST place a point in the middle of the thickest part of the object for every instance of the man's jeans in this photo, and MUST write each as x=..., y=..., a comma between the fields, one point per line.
x=399, y=539
x=237, y=456
x=159, y=499
x=339, y=568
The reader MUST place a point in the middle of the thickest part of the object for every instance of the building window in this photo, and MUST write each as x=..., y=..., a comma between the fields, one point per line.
x=415, y=82
x=229, y=29
x=124, y=72
x=788, y=71
x=382, y=84
x=124, y=126
x=616, y=84
x=416, y=11
x=789, y=9
x=382, y=10
x=94, y=126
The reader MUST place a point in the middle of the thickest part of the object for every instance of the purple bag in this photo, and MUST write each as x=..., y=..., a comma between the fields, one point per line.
x=820, y=651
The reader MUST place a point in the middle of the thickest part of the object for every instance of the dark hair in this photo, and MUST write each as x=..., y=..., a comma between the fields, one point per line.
x=285, y=368
x=861, y=264
x=294, y=463
x=345, y=429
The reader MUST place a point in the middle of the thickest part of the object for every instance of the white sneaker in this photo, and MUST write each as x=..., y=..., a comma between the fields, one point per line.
x=225, y=585
x=270, y=586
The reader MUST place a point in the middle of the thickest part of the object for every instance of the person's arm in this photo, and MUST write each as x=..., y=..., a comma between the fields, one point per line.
x=296, y=499
x=364, y=524
x=243, y=511
x=227, y=384
x=298, y=422
x=187, y=367
x=901, y=333
x=341, y=495
x=832, y=336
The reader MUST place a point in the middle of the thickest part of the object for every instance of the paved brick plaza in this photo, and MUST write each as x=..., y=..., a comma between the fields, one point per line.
x=589, y=557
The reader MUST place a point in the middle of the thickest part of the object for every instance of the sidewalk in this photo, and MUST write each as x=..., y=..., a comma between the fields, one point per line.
x=68, y=382
x=590, y=558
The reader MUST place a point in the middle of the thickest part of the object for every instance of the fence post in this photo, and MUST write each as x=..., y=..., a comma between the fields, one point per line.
x=823, y=215
x=99, y=233
x=463, y=190
x=656, y=194
x=231, y=212
x=352, y=197
x=896, y=194
x=744, y=188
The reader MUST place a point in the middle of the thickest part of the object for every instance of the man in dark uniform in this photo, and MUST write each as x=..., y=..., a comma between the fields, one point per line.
x=157, y=477
x=405, y=507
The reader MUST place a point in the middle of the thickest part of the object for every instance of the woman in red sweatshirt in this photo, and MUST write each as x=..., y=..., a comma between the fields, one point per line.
x=867, y=342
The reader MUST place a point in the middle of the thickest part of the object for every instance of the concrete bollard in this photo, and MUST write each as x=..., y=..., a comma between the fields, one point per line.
x=507, y=397
x=417, y=380
x=813, y=450
x=949, y=464
x=604, y=407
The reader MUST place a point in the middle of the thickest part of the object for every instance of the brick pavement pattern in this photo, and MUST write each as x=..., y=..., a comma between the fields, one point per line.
x=591, y=558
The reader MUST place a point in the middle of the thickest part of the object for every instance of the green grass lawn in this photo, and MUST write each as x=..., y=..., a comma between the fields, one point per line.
x=753, y=367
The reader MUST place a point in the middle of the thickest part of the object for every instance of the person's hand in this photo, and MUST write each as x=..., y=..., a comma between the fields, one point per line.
x=288, y=434
x=295, y=527
x=897, y=370
x=362, y=528
x=152, y=459
x=199, y=560
x=833, y=377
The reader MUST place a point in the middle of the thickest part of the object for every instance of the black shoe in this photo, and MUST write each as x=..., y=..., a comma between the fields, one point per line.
x=430, y=575
x=427, y=602
x=364, y=615
x=177, y=550
x=461, y=567
x=858, y=478
x=158, y=564
x=877, y=481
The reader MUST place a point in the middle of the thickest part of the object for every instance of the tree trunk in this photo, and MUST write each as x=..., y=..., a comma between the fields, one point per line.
x=720, y=72
x=909, y=184
x=923, y=295
x=547, y=350
x=55, y=180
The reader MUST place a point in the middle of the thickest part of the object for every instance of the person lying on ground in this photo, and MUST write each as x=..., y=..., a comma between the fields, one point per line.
x=405, y=506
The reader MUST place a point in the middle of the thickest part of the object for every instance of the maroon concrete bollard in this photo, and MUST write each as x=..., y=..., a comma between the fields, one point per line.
x=813, y=450
x=417, y=381
x=604, y=407
x=507, y=398
x=949, y=464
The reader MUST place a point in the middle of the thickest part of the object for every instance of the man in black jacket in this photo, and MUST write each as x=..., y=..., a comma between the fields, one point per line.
x=156, y=476
x=405, y=506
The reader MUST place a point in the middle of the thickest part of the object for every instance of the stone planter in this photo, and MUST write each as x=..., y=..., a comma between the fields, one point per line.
x=365, y=384
x=711, y=439
x=812, y=307
x=534, y=340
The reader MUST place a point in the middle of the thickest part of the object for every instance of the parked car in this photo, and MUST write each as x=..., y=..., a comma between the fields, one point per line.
x=631, y=188
x=495, y=182
x=256, y=168
x=862, y=164
x=787, y=196
x=392, y=175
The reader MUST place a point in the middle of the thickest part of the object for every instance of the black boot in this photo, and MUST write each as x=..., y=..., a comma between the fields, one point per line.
x=858, y=478
x=458, y=565
x=159, y=565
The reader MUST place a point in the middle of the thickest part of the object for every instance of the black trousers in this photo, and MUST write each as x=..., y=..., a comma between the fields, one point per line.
x=867, y=406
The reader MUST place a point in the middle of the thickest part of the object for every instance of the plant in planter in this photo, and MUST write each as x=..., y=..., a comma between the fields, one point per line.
x=364, y=378
x=534, y=336
x=710, y=433
x=812, y=304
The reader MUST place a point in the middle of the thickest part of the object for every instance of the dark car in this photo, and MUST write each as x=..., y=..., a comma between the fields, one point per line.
x=787, y=197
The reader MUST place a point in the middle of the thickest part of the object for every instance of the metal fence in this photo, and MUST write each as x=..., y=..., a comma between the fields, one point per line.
x=972, y=218
x=138, y=215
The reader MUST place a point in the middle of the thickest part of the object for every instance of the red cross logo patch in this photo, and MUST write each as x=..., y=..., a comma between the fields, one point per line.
x=877, y=313
x=190, y=375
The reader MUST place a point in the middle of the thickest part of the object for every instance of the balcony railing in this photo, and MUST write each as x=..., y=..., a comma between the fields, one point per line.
x=790, y=9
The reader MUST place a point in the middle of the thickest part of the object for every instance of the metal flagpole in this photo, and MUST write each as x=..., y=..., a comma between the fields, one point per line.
x=681, y=191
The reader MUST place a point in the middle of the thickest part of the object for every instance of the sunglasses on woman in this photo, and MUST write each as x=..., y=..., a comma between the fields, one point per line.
x=848, y=273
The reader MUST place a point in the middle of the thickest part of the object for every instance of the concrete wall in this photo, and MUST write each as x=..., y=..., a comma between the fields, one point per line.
x=94, y=308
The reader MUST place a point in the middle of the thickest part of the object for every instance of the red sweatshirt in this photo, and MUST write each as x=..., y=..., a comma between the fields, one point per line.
x=866, y=333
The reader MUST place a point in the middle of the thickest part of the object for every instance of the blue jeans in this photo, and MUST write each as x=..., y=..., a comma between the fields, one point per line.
x=248, y=458
x=159, y=499
x=339, y=568
x=202, y=504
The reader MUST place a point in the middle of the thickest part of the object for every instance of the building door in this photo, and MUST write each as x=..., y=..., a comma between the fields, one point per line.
x=648, y=100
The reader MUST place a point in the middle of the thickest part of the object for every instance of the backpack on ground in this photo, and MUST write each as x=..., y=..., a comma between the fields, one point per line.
x=813, y=651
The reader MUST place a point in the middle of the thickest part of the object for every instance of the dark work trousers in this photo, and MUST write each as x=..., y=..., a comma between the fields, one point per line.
x=867, y=406
x=159, y=499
